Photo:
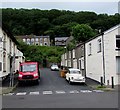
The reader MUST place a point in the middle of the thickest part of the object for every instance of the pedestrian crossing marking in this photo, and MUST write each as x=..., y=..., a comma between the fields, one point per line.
x=85, y=91
x=34, y=93
x=21, y=93
x=60, y=92
x=47, y=92
x=74, y=91
x=9, y=94
x=98, y=91
x=56, y=92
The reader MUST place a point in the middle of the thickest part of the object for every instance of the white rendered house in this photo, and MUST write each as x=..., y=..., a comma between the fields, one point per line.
x=8, y=52
x=102, y=56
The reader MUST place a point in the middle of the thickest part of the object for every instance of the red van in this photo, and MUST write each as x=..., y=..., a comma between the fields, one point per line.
x=29, y=71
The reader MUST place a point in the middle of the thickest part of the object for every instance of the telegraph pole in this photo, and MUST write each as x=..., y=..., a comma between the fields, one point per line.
x=12, y=71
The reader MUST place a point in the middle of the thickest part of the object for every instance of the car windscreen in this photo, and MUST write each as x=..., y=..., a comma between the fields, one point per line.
x=28, y=68
x=74, y=72
x=54, y=66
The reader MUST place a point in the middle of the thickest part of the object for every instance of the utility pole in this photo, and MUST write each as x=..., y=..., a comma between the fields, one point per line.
x=12, y=71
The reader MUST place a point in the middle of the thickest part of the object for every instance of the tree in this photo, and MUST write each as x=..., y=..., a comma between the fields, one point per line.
x=82, y=32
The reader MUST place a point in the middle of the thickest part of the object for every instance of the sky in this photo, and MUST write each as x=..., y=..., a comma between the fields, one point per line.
x=100, y=7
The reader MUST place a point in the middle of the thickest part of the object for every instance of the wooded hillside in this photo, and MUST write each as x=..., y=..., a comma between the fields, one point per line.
x=54, y=22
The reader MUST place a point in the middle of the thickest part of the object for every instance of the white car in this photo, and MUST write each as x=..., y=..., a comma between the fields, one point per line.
x=75, y=75
x=54, y=67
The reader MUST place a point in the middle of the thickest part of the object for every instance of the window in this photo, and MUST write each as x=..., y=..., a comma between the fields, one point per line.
x=90, y=49
x=28, y=41
x=0, y=66
x=65, y=55
x=36, y=43
x=4, y=62
x=28, y=68
x=118, y=65
x=82, y=63
x=4, y=42
x=118, y=42
x=10, y=45
x=45, y=39
x=32, y=41
x=24, y=40
x=45, y=44
x=36, y=39
x=69, y=54
x=73, y=53
x=41, y=40
x=99, y=45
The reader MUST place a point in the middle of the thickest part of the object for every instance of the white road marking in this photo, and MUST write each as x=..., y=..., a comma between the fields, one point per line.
x=98, y=91
x=8, y=94
x=74, y=91
x=34, y=93
x=57, y=92
x=21, y=93
x=47, y=92
x=60, y=92
x=85, y=91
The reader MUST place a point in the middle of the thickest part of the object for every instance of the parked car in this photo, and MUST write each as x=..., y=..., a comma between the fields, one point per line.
x=74, y=75
x=29, y=71
x=54, y=67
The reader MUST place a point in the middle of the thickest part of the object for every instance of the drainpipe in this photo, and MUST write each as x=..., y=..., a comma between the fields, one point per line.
x=84, y=60
x=103, y=57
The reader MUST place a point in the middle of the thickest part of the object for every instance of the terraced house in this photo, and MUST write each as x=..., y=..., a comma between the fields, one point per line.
x=102, y=55
x=99, y=57
x=35, y=40
x=10, y=56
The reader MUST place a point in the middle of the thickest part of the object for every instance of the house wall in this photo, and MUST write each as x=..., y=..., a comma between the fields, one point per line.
x=110, y=56
x=95, y=64
x=74, y=60
x=63, y=60
x=80, y=58
x=19, y=59
x=8, y=50
x=1, y=51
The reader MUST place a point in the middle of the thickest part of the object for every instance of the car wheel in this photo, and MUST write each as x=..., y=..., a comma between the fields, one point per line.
x=69, y=81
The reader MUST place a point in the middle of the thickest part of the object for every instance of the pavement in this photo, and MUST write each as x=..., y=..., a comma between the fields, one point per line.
x=5, y=85
x=96, y=85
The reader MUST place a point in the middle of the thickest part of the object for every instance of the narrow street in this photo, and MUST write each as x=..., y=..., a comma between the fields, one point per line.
x=55, y=92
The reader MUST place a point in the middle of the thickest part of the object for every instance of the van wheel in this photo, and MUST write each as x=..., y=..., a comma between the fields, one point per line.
x=19, y=83
x=37, y=81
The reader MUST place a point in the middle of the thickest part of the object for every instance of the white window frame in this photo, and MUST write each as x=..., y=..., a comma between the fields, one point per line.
x=99, y=45
x=4, y=62
x=117, y=66
x=69, y=54
x=89, y=49
x=73, y=53
x=117, y=39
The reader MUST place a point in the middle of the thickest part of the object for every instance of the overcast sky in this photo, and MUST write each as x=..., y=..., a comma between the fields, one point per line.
x=105, y=6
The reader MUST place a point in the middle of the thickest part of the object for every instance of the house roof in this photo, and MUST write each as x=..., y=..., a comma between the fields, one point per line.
x=105, y=32
x=61, y=38
x=7, y=31
x=32, y=36
x=42, y=36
